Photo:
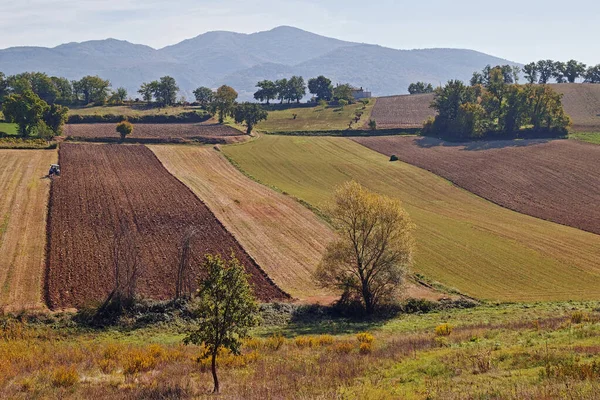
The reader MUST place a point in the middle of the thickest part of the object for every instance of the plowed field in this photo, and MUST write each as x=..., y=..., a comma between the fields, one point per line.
x=582, y=103
x=555, y=180
x=23, y=210
x=406, y=111
x=214, y=133
x=109, y=194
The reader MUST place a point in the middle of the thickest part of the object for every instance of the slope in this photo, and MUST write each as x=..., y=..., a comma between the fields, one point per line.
x=23, y=210
x=479, y=248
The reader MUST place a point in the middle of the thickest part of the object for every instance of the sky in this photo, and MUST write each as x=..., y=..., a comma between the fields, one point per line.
x=521, y=31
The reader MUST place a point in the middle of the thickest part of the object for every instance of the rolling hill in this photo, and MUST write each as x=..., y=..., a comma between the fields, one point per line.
x=240, y=60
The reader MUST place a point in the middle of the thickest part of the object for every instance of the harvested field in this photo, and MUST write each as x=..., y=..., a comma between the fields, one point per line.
x=206, y=132
x=284, y=237
x=554, y=180
x=582, y=103
x=406, y=111
x=463, y=241
x=23, y=209
x=121, y=197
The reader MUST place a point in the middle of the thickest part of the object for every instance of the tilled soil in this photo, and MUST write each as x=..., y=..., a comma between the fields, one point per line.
x=582, y=103
x=557, y=180
x=164, y=132
x=406, y=111
x=115, y=196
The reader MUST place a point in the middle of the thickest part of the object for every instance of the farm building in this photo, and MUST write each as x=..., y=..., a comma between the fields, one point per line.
x=360, y=93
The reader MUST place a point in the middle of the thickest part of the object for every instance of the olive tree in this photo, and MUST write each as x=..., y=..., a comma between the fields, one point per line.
x=369, y=259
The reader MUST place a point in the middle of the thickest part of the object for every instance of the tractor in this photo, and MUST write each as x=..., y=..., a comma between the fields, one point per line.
x=54, y=170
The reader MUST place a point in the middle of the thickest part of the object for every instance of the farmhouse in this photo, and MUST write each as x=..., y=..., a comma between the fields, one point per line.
x=359, y=93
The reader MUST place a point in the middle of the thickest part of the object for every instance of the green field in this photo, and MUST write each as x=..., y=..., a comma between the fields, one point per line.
x=464, y=242
x=136, y=110
x=8, y=128
x=316, y=118
x=590, y=137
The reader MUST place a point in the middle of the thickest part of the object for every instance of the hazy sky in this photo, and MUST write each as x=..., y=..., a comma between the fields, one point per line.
x=521, y=31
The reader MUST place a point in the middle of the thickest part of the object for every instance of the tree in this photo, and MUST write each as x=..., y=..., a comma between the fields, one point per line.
x=204, y=95
x=282, y=89
x=121, y=95
x=544, y=109
x=559, y=72
x=296, y=89
x=55, y=117
x=124, y=129
x=93, y=88
x=267, y=91
x=343, y=103
x=321, y=87
x=224, y=101
x=531, y=72
x=374, y=247
x=165, y=90
x=422, y=87
x=65, y=90
x=249, y=114
x=476, y=79
x=38, y=82
x=147, y=91
x=3, y=87
x=225, y=309
x=26, y=110
x=545, y=69
x=343, y=92
x=592, y=75
x=573, y=70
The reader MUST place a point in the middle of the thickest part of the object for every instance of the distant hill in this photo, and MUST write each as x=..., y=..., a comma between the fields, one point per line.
x=241, y=60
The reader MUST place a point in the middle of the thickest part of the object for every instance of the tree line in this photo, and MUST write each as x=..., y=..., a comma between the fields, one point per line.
x=542, y=72
x=294, y=89
x=496, y=105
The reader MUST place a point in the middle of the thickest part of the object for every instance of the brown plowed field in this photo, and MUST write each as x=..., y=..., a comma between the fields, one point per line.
x=556, y=180
x=106, y=189
x=406, y=111
x=207, y=132
x=23, y=209
x=582, y=103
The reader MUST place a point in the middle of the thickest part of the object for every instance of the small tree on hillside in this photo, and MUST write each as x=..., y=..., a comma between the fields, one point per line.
x=321, y=87
x=343, y=92
x=124, y=129
x=204, y=95
x=249, y=114
x=225, y=309
x=267, y=91
x=224, y=102
x=573, y=70
x=531, y=72
x=368, y=261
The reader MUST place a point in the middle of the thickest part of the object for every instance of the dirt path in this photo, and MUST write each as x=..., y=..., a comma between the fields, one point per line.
x=23, y=210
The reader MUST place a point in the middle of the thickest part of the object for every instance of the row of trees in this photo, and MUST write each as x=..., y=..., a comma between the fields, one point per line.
x=496, y=107
x=420, y=88
x=562, y=72
x=163, y=91
x=294, y=89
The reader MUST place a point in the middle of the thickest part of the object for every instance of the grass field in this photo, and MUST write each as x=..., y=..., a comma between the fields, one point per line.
x=543, y=351
x=464, y=242
x=316, y=118
x=8, y=128
x=23, y=210
x=590, y=137
x=285, y=238
x=135, y=110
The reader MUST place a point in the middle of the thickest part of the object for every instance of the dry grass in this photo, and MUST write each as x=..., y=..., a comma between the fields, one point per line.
x=23, y=209
x=582, y=103
x=286, y=239
x=463, y=241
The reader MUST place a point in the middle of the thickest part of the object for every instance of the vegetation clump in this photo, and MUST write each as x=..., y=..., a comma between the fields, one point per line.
x=124, y=128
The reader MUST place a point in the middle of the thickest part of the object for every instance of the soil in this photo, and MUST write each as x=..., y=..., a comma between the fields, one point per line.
x=556, y=180
x=406, y=111
x=121, y=197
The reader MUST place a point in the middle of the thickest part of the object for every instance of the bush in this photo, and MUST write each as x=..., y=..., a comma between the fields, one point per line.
x=578, y=317
x=275, y=342
x=443, y=330
x=64, y=377
x=394, y=157
x=365, y=337
x=138, y=362
x=372, y=125
x=419, y=306
x=365, y=348
x=343, y=347
x=124, y=128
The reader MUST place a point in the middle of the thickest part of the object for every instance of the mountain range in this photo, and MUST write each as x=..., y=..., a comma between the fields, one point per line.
x=241, y=60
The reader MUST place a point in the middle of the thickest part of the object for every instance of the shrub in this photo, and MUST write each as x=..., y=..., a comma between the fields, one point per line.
x=124, y=128
x=304, y=341
x=344, y=347
x=138, y=362
x=372, y=125
x=443, y=330
x=275, y=342
x=365, y=337
x=414, y=306
x=578, y=317
x=64, y=377
x=343, y=103
x=227, y=359
x=324, y=340
x=394, y=157
x=365, y=348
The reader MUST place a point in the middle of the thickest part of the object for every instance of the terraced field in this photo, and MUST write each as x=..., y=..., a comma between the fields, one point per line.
x=285, y=238
x=465, y=242
x=23, y=210
x=114, y=199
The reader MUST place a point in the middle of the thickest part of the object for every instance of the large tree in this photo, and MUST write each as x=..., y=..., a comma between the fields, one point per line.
x=65, y=90
x=224, y=101
x=296, y=89
x=249, y=114
x=422, y=87
x=3, y=87
x=267, y=91
x=321, y=87
x=560, y=71
x=147, y=91
x=282, y=89
x=573, y=70
x=204, y=96
x=531, y=72
x=93, y=89
x=225, y=310
x=545, y=70
x=55, y=117
x=343, y=92
x=26, y=110
x=368, y=260
x=592, y=74
x=165, y=90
